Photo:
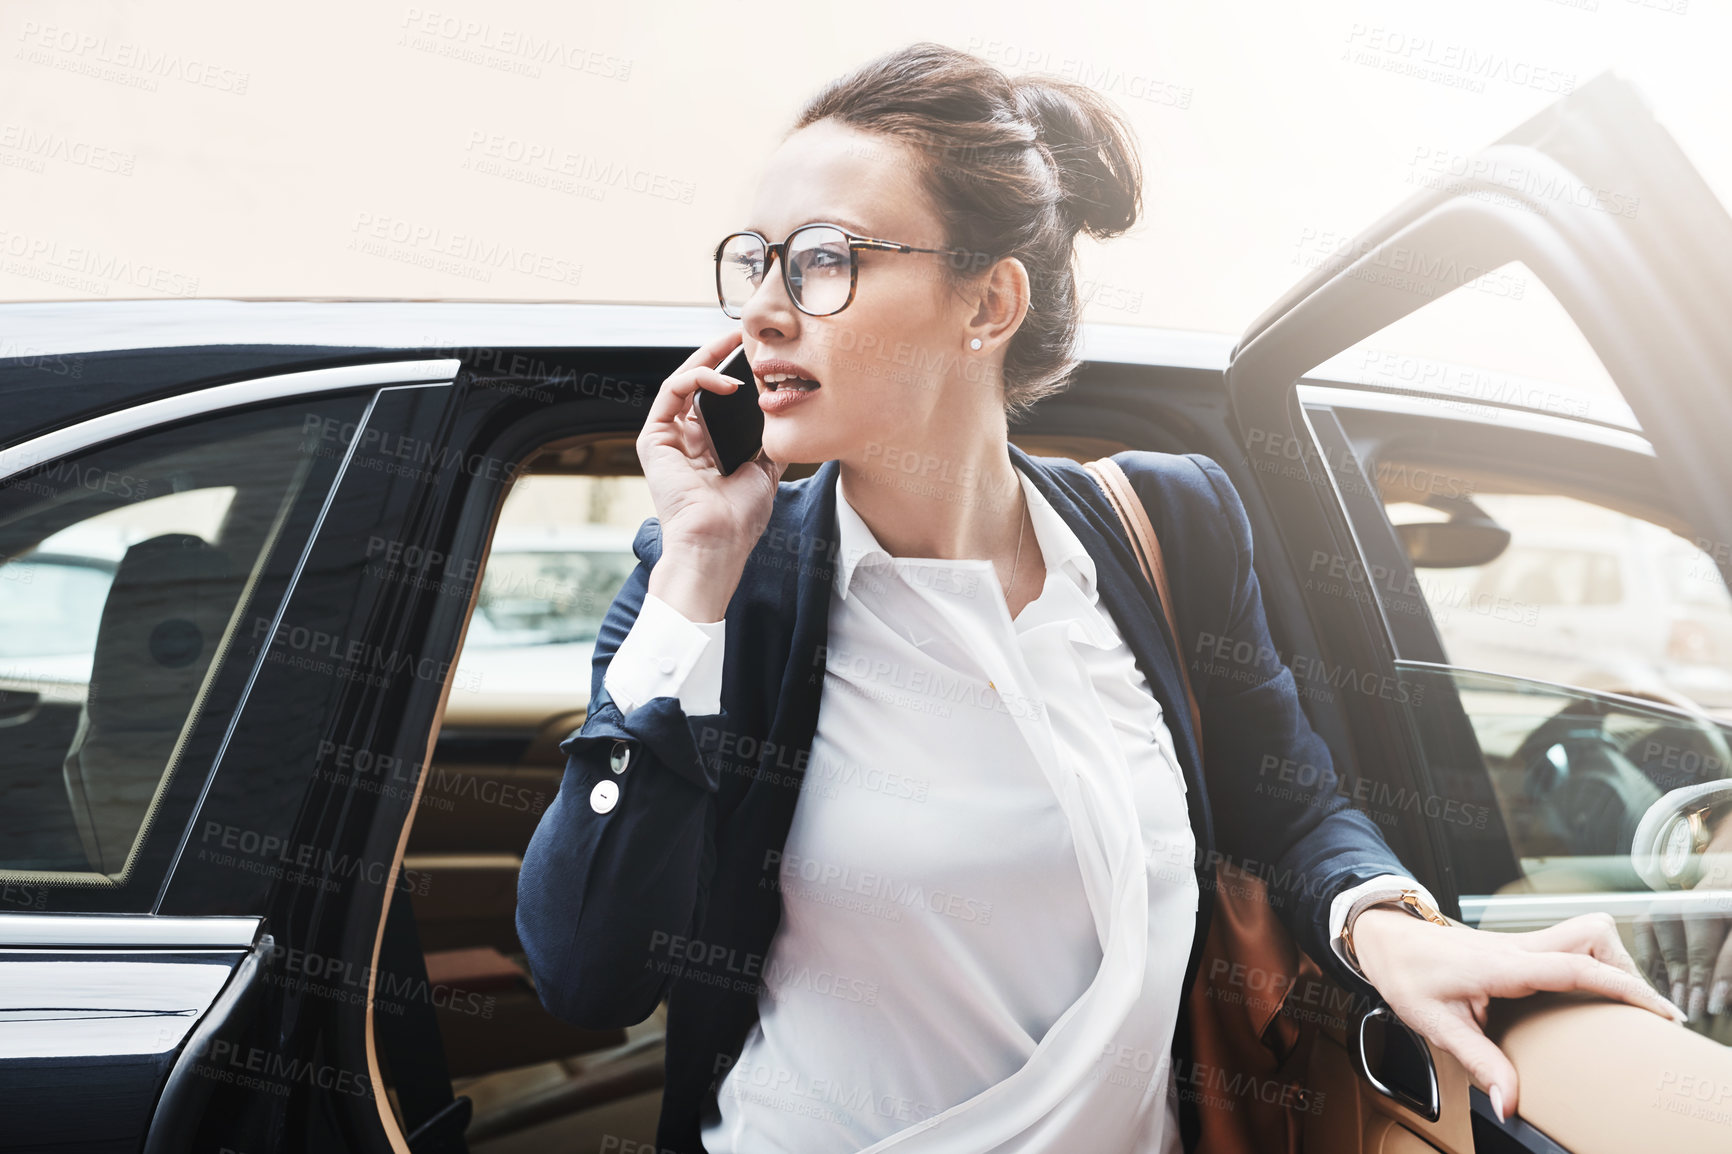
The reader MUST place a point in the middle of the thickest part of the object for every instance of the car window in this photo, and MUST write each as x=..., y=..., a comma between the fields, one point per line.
x=56, y=591
x=1583, y=595
x=1573, y=773
x=50, y=606
x=1580, y=705
x=549, y=593
x=125, y=569
x=560, y=554
x=1553, y=646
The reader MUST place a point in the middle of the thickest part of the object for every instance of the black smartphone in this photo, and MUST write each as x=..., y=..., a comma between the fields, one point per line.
x=734, y=420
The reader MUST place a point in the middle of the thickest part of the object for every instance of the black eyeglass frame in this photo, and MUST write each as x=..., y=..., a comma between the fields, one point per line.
x=856, y=242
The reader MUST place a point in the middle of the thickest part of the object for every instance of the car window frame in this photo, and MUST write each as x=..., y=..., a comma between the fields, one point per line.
x=82, y=896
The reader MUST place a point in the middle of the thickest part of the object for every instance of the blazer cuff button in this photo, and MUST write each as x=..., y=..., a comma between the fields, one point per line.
x=620, y=757
x=604, y=796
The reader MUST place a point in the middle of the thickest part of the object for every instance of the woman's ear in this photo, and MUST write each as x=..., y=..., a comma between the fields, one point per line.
x=1004, y=297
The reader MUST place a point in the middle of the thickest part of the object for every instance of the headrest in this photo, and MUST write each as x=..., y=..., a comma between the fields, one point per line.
x=170, y=599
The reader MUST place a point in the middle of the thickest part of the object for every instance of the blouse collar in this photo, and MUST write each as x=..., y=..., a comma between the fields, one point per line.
x=1059, y=546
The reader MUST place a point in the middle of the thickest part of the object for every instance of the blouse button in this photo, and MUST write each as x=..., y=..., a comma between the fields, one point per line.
x=620, y=758
x=604, y=796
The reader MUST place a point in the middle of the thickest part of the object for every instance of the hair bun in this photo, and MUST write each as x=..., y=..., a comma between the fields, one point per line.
x=1091, y=149
x=1012, y=167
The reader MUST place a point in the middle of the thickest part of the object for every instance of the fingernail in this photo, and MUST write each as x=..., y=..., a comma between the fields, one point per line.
x=1698, y=1001
x=1497, y=1104
x=736, y=380
x=1717, y=999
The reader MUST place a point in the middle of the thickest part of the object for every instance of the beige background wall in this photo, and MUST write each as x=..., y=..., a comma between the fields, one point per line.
x=525, y=149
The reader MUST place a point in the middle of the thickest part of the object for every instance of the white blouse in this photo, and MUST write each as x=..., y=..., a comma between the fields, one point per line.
x=988, y=887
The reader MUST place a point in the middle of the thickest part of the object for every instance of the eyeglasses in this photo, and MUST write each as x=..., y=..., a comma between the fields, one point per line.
x=819, y=267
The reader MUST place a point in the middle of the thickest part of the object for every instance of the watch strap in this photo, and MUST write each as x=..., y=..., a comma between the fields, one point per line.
x=1403, y=897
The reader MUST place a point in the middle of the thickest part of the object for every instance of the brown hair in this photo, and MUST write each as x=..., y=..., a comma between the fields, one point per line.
x=1014, y=167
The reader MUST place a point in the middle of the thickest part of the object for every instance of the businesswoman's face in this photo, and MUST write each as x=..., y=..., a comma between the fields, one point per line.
x=896, y=360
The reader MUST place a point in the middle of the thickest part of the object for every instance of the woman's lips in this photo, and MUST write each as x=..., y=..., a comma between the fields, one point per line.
x=783, y=398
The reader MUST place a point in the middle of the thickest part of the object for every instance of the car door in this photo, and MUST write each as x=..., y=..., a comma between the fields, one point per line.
x=143, y=539
x=1591, y=208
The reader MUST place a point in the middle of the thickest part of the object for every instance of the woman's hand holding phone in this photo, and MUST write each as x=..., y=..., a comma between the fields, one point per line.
x=710, y=522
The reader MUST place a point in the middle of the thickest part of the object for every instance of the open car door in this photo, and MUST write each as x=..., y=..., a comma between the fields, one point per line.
x=1592, y=202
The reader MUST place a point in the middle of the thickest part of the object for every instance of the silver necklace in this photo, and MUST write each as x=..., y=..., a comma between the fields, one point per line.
x=1020, y=525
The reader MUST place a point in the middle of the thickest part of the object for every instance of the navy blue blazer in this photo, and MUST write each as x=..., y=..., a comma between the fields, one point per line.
x=674, y=890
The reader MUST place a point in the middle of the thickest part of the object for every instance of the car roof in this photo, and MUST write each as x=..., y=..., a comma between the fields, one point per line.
x=63, y=327
x=304, y=328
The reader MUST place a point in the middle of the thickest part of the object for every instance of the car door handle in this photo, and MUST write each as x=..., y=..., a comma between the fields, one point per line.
x=1396, y=1062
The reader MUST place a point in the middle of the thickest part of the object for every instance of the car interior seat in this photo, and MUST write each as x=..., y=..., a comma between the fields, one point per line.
x=165, y=614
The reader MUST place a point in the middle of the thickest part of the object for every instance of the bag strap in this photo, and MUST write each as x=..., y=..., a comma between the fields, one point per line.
x=1147, y=547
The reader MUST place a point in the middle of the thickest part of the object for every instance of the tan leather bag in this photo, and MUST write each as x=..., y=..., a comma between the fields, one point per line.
x=1247, y=1059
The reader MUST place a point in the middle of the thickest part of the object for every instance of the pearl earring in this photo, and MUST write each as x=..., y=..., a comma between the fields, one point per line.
x=975, y=343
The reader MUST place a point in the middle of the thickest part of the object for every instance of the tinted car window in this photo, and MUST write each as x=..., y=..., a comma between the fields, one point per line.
x=126, y=569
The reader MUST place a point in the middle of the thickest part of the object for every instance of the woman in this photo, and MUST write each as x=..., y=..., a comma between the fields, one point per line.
x=922, y=867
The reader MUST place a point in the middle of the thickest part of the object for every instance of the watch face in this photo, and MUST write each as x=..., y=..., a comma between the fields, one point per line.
x=1675, y=848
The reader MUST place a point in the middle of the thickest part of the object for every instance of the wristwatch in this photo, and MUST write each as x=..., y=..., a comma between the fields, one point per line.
x=1683, y=839
x=1407, y=898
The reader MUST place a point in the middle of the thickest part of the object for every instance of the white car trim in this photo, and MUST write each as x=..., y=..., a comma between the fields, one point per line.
x=72, y=327
x=136, y=418
x=125, y=931
x=1536, y=911
x=1457, y=408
